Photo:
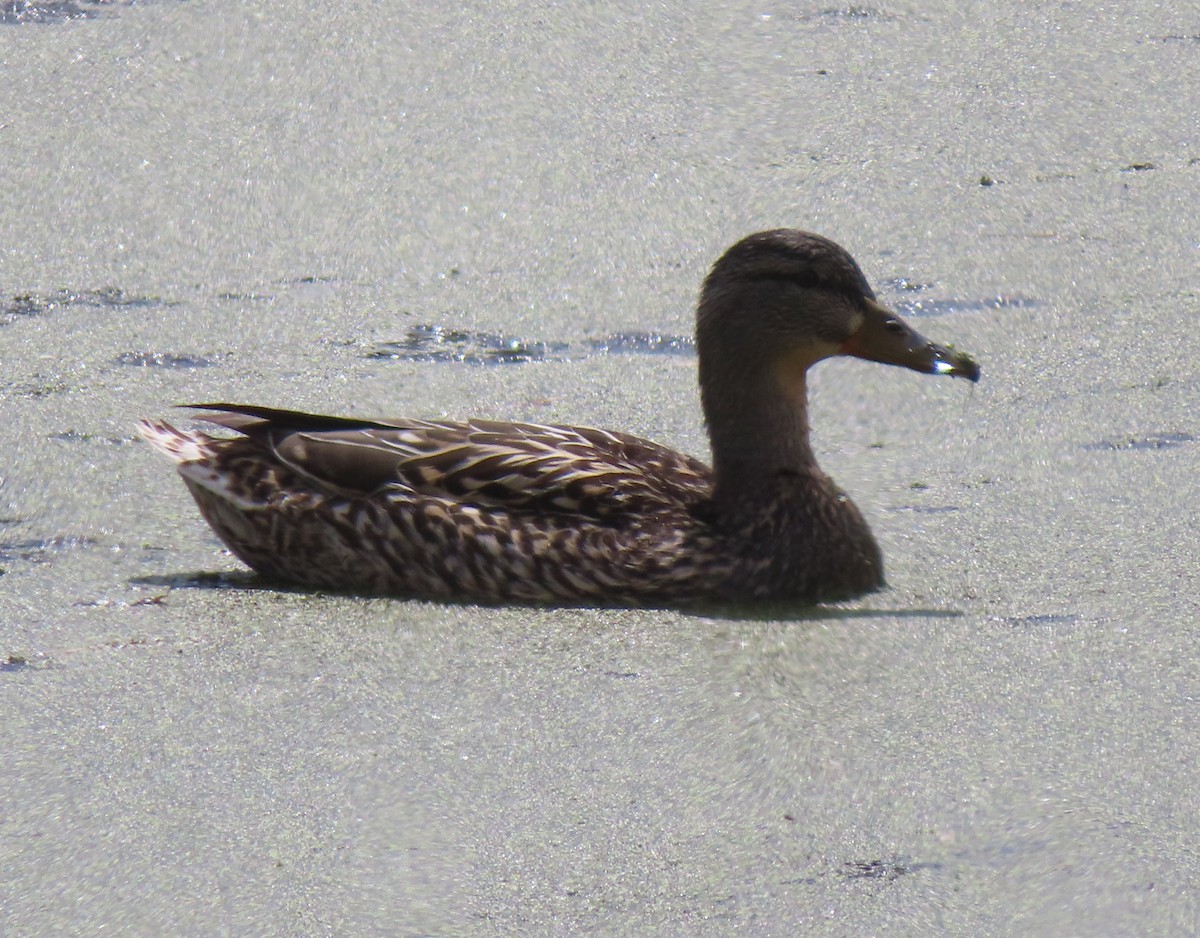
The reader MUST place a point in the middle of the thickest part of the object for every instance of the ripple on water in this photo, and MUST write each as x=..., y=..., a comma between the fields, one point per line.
x=166, y=360
x=19, y=12
x=28, y=305
x=41, y=550
x=53, y=12
x=429, y=343
x=917, y=308
x=1168, y=440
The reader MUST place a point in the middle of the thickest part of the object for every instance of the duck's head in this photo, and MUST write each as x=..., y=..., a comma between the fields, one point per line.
x=779, y=301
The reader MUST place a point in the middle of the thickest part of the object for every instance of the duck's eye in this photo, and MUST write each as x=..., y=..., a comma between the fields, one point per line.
x=895, y=327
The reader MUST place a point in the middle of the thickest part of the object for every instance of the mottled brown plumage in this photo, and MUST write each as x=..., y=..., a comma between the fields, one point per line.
x=493, y=511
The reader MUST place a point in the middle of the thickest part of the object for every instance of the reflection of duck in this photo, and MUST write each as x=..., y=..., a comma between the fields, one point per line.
x=494, y=511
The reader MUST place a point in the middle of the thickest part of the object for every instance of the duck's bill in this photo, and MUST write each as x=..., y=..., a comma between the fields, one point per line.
x=885, y=337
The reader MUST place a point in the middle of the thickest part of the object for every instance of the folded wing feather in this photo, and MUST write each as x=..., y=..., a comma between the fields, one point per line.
x=488, y=463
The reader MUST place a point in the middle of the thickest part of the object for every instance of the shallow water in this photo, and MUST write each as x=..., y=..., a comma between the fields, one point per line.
x=343, y=209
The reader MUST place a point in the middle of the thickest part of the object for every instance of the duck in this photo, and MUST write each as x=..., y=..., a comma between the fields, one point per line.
x=500, y=512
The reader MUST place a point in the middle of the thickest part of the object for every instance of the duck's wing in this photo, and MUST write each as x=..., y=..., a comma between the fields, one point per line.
x=487, y=463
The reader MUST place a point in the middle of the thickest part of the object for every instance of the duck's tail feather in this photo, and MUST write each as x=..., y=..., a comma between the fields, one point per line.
x=178, y=446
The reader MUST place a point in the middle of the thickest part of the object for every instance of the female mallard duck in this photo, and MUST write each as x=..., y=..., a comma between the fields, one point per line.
x=492, y=511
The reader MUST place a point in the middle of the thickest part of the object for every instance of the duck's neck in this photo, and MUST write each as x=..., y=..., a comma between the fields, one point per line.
x=797, y=532
x=759, y=433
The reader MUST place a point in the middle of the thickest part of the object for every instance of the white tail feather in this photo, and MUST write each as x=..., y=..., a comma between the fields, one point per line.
x=176, y=445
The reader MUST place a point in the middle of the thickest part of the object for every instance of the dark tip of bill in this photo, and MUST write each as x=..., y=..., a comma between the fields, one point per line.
x=957, y=364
